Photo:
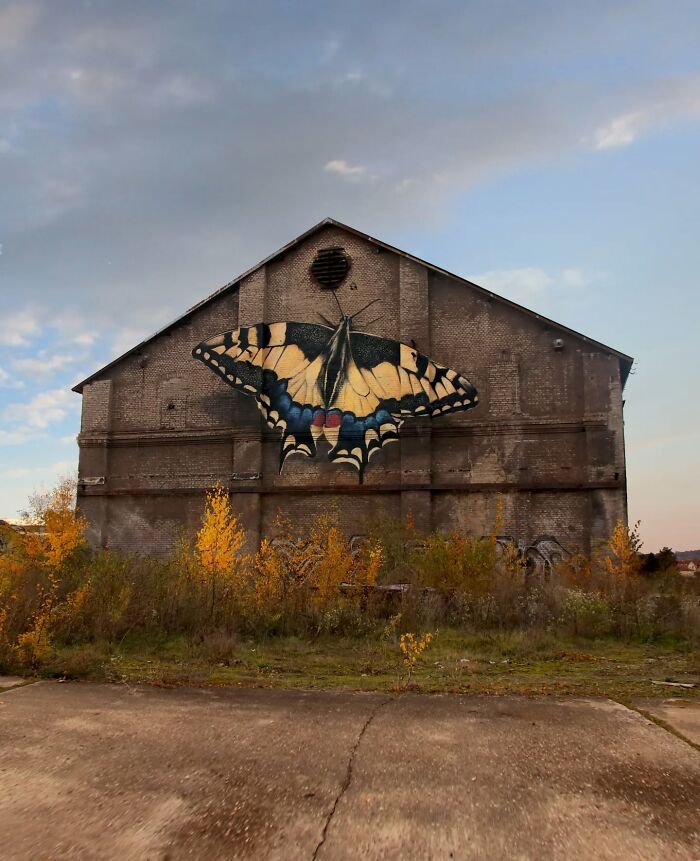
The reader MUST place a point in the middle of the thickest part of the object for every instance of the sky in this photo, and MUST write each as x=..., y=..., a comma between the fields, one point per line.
x=152, y=151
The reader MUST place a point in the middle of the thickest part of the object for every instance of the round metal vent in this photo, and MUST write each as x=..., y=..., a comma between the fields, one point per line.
x=330, y=267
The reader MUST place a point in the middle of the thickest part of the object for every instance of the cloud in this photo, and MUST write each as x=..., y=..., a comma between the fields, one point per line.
x=515, y=283
x=620, y=131
x=344, y=169
x=131, y=155
x=18, y=328
x=527, y=283
x=129, y=337
x=17, y=472
x=19, y=436
x=8, y=381
x=662, y=106
x=574, y=278
x=59, y=468
x=84, y=339
x=136, y=153
x=43, y=409
x=43, y=365
x=72, y=328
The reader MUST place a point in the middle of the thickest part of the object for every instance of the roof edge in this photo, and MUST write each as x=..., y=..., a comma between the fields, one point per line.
x=625, y=360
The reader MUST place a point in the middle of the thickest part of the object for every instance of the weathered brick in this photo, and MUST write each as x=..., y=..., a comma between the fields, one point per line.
x=546, y=439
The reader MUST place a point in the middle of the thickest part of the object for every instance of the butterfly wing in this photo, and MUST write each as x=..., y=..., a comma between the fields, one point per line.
x=279, y=365
x=411, y=383
x=385, y=382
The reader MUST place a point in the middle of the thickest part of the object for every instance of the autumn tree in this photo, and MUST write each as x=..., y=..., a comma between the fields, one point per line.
x=54, y=529
x=218, y=544
x=39, y=567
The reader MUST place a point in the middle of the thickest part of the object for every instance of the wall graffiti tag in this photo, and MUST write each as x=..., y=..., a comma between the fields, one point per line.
x=539, y=556
x=349, y=387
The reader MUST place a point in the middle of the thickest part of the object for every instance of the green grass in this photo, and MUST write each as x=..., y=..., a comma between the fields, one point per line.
x=492, y=663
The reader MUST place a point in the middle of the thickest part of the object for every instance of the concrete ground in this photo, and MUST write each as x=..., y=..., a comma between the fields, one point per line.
x=679, y=715
x=107, y=772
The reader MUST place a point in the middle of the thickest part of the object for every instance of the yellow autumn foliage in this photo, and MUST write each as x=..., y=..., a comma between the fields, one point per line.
x=55, y=592
x=334, y=562
x=412, y=648
x=220, y=537
x=622, y=560
x=218, y=547
x=34, y=645
x=61, y=529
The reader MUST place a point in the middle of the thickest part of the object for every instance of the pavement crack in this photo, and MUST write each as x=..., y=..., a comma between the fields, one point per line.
x=662, y=724
x=348, y=775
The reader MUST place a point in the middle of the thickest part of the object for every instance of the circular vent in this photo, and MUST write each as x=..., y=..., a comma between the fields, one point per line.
x=330, y=267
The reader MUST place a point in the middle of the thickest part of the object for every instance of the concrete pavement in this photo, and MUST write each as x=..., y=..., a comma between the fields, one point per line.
x=680, y=715
x=109, y=772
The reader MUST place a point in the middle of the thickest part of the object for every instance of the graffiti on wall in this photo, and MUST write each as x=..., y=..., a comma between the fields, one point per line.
x=539, y=556
x=349, y=387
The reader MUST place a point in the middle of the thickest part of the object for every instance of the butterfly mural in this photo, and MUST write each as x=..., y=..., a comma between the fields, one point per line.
x=354, y=389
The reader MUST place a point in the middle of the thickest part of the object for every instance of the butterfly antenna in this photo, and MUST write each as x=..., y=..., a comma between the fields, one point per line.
x=373, y=321
x=342, y=313
x=357, y=313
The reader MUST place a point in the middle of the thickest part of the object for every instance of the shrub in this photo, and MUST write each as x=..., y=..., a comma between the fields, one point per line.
x=587, y=613
x=55, y=591
x=218, y=545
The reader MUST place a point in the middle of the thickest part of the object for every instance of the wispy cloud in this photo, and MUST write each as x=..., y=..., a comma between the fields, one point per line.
x=529, y=282
x=9, y=381
x=19, y=328
x=661, y=107
x=126, y=339
x=43, y=409
x=345, y=169
x=44, y=365
x=620, y=131
x=60, y=467
x=18, y=436
x=84, y=339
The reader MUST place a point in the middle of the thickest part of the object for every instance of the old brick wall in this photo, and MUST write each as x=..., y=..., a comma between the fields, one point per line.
x=159, y=428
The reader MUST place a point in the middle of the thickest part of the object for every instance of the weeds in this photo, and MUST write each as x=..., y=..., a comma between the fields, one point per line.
x=412, y=648
x=56, y=593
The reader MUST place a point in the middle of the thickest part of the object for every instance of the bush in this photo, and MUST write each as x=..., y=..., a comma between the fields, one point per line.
x=587, y=613
x=55, y=592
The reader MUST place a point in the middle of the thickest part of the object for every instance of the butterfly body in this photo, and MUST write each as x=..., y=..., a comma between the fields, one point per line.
x=350, y=387
x=336, y=358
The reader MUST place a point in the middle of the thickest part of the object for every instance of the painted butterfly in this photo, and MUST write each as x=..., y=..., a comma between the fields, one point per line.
x=353, y=388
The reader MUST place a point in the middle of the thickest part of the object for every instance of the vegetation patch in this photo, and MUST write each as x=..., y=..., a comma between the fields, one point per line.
x=306, y=611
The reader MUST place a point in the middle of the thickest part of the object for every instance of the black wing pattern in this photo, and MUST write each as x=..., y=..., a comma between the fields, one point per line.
x=383, y=382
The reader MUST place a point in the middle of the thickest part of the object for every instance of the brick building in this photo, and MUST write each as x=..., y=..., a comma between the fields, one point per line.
x=546, y=438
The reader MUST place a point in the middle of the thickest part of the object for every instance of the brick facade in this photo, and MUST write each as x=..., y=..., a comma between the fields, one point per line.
x=158, y=428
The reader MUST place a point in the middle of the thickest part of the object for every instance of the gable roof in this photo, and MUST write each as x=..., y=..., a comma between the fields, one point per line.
x=625, y=360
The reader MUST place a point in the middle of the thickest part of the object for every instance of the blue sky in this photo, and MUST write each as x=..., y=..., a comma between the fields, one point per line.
x=149, y=152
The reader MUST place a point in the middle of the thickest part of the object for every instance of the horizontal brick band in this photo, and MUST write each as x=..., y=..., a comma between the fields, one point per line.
x=364, y=489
